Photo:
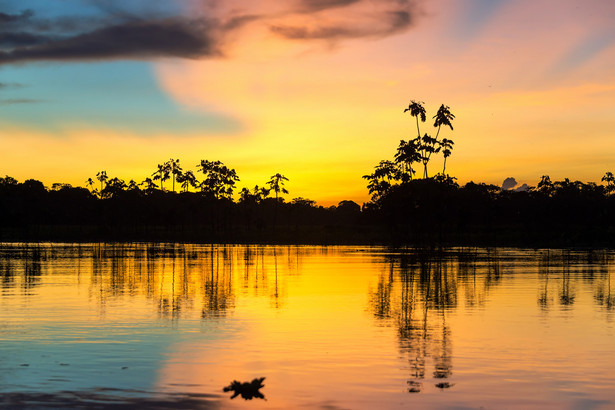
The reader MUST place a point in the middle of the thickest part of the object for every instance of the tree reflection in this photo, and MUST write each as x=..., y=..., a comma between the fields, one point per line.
x=416, y=294
x=173, y=277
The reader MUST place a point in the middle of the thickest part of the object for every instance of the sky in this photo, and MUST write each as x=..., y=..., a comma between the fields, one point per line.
x=312, y=89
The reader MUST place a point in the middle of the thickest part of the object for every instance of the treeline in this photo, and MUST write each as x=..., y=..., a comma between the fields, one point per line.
x=436, y=210
x=429, y=211
x=115, y=210
x=553, y=214
x=199, y=206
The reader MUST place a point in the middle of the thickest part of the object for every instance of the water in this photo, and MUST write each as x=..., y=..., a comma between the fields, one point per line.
x=170, y=325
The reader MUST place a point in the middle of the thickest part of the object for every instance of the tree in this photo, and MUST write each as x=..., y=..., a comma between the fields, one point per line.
x=545, y=185
x=175, y=169
x=149, y=185
x=426, y=145
x=102, y=177
x=89, y=183
x=219, y=179
x=132, y=185
x=447, y=147
x=276, y=184
x=187, y=180
x=385, y=174
x=256, y=195
x=8, y=181
x=163, y=173
x=610, y=182
x=417, y=110
x=407, y=154
x=114, y=186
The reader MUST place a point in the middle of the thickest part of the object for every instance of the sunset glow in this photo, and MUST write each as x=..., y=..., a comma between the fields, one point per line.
x=312, y=89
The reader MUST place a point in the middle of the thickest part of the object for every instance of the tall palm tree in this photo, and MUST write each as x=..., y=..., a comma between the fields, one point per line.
x=417, y=110
x=276, y=184
x=102, y=177
x=443, y=117
x=163, y=173
x=175, y=169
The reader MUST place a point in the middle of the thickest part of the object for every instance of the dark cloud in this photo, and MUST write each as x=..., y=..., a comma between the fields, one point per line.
x=135, y=39
x=317, y=5
x=10, y=85
x=20, y=39
x=509, y=183
x=378, y=25
x=12, y=18
x=116, y=33
x=12, y=101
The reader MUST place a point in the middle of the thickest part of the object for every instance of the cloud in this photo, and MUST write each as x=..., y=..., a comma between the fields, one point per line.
x=172, y=37
x=12, y=18
x=382, y=24
x=116, y=33
x=10, y=85
x=509, y=183
x=12, y=101
x=317, y=5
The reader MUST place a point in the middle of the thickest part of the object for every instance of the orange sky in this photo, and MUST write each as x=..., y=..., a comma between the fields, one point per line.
x=531, y=85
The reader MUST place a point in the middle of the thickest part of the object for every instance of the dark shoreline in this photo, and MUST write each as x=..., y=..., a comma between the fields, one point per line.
x=583, y=238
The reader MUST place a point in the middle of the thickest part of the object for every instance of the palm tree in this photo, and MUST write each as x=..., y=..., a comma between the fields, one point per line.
x=417, y=110
x=276, y=184
x=447, y=146
x=89, y=183
x=443, y=117
x=102, y=177
x=426, y=145
x=162, y=173
x=175, y=169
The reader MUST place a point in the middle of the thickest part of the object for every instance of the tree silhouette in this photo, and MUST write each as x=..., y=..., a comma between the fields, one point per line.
x=610, y=182
x=89, y=183
x=255, y=196
x=383, y=177
x=447, y=147
x=175, y=169
x=149, y=185
x=407, y=154
x=417, y=110
x=422, y=147
x=187, y=180
x=219, y=179
x=102, y=177
x=114, y=186
x=132, y=185
x=163, y=173
x=276, y=184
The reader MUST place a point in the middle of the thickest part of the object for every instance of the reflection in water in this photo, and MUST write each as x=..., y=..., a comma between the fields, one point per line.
x=182, y=318
x=247, y=390
x=416, y=294
x=418, y=290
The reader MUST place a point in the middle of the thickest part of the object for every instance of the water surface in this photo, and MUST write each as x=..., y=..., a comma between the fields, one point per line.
x=169, y=325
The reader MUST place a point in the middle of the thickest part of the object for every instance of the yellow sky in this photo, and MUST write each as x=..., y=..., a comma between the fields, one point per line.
x=532, y=88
